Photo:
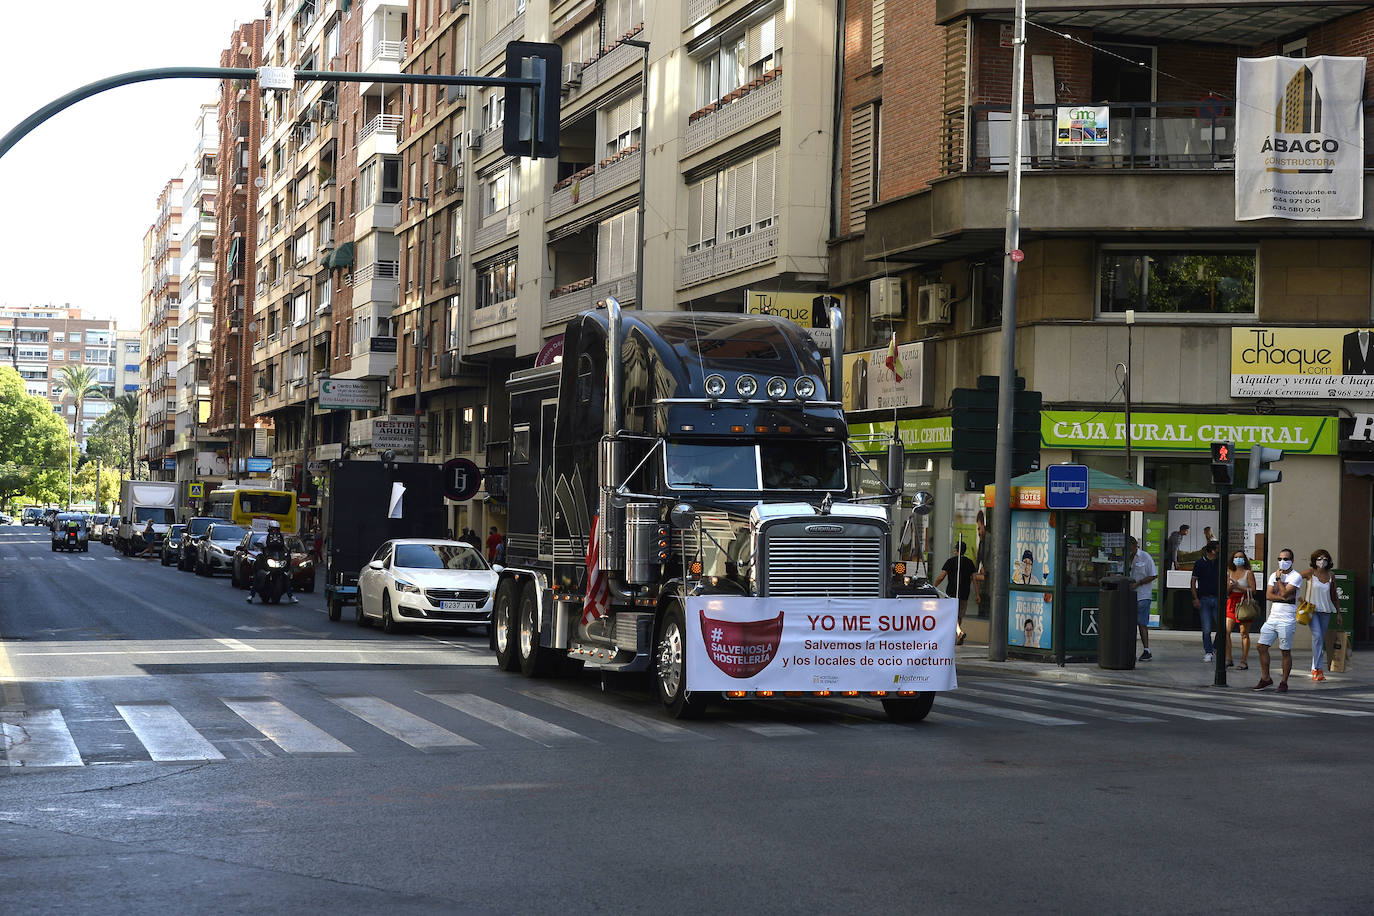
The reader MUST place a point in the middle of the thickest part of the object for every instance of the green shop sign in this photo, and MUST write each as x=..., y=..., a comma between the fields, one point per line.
x=1164, y=432
x=1178, y=432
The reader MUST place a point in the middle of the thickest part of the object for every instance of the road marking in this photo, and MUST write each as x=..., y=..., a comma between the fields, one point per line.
x=1078, y=708
x=1158, y=708
x=511, y=720
x=289, y=731
x=771, y=729
x=10, y=688
x=1233, y=701
x=236, y=645
x=165, y=734
x=398, y=723
x=38, y=738
x=649, y=727
x=1019, y=715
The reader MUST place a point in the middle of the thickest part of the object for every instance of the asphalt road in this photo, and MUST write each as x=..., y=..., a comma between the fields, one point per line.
x=168, y=746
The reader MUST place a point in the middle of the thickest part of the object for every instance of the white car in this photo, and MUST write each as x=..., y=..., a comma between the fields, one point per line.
x=416, y=580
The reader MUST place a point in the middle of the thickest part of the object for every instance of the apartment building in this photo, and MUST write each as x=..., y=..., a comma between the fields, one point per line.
x=233, y=332
x=1134, y=260
x=160, y=323
x=38, y=340
x=199, y=456
x=128, y=357
x=297, y=168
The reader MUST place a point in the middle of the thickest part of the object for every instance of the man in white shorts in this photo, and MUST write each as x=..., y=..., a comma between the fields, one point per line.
x=1282, y=620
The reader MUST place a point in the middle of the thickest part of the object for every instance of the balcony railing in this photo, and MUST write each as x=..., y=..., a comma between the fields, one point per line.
x=738, y=254
x=377, y=270
x=602, y=68
x=594, y=182
x=390, y=123
x=739, y=109
x=584, y=295
x=496, y=227
x=513, y=30
x=698, y=10
x=389, y=50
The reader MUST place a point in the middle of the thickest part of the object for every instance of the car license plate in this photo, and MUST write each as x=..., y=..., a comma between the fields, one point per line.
x=457, y=605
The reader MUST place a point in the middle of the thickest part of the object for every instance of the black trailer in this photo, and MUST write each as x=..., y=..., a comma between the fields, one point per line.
x=358, y=517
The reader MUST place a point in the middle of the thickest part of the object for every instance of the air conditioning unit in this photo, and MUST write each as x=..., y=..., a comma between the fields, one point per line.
x=471, y=141
x=885, y=297
x=440, y=152
x=932, y=303
x=572, y=75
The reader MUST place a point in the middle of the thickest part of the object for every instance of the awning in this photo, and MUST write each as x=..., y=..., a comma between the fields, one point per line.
x=341, y=256
x=1105, y=493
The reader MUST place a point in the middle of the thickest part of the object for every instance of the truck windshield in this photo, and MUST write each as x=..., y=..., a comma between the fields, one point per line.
x=158, y=515
x=794, y=465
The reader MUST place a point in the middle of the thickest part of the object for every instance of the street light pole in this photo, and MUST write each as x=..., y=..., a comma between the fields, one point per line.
x=643, y=163
x=420, y=327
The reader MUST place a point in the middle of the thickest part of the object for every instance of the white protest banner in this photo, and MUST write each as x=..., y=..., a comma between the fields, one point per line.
x=1299, y=138
x=812, y=644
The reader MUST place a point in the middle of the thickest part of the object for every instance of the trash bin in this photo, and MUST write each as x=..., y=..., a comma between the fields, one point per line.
x=1116, y=624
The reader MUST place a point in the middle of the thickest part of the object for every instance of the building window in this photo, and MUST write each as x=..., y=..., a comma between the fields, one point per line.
x=500, y=189
x=740, y=55
x=387, y=171
x=616, y=246
x=465, y=430
x=732, y=203
x=621, y=125
x=496, y=282
x=1185, y=281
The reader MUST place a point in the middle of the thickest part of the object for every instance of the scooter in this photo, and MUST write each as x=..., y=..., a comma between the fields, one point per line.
x=269, y=579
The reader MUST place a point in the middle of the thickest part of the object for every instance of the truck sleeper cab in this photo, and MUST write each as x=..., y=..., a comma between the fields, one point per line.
x=707, y=458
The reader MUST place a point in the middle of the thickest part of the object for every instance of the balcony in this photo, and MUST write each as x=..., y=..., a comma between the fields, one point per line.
x=489, y=141
x=756, y=248
x=566, y=301
x=739, y=109
x=698, y=10
x=512, y=31
x=378, y=137
x=603, y=68
x=372, y=358
x=495, y=228
x=375, y=282
x=377, y=216
x=595, y=182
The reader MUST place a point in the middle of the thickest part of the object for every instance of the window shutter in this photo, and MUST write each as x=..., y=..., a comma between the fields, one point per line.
x=764, y=183
x=754, y=42
x=631, y=260
x=744, y=195
x=694, y=208
x=603, y=251
x=767, y=37
x=879, y=27
x=709, y=230
x=860, y=165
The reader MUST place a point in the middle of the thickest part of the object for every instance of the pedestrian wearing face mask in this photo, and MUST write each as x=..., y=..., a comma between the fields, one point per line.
x=1282, y=620
x=1240, y=583
x=1320, y=577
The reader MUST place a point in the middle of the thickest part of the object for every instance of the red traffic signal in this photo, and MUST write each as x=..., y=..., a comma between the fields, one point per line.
x=1223, y=463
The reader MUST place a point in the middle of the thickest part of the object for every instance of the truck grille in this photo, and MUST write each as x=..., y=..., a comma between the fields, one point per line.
x=824, y=567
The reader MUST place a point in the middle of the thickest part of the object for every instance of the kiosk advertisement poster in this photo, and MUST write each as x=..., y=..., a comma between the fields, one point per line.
x=1201, y=512
x=741, y=643
x=1154, y=546
x=1030, y=621
x=1033, y=554
x=1246, y=529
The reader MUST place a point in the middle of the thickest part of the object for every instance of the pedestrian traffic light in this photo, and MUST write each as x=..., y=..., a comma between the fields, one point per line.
x=1260, y=476
x=1223, y=464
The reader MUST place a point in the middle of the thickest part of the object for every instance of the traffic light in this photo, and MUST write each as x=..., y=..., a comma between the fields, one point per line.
x=973, y=423
x=1223, y=464
x=531, y=114
x=1260, y=476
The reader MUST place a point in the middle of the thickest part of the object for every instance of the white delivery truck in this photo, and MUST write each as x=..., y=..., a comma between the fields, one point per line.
x=142, y=501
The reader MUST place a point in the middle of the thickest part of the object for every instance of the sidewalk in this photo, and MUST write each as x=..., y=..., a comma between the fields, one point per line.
x=1177, y=662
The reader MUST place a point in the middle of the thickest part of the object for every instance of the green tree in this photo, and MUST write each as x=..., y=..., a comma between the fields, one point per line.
x=80, y=383
x=84, y=486
x=126, y=411
x=33, y=444
x=108, y=443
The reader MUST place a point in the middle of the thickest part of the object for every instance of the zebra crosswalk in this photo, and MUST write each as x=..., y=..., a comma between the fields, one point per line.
x=221, y=727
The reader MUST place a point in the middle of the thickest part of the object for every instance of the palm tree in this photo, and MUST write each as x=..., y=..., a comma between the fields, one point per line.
x=81, y=384
x=126, y=407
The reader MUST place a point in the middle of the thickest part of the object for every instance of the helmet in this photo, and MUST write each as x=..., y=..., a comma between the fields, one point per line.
x=273, y=525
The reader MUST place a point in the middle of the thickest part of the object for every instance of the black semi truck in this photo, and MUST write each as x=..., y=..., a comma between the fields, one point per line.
x=681, y=492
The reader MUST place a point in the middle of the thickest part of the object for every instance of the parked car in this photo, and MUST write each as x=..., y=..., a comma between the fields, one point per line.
x=32, y=515
x=70, y=531
x=250, y=548
x=215, y=551
x=414, y=580
x=189, y=542
x=98, y=523
x=108, y=532
x=171, y=544
x=6, y=519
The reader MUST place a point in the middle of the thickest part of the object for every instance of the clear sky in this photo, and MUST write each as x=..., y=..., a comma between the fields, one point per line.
x=77, y=194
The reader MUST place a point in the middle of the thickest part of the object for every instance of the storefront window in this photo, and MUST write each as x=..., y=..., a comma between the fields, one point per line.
x=1177, y=282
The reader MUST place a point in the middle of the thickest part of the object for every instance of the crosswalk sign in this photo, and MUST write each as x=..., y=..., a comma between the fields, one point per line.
x=195, y=490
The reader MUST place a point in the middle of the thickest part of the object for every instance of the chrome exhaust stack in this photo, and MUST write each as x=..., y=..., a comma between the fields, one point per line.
x=836, y=391
x=611, y=530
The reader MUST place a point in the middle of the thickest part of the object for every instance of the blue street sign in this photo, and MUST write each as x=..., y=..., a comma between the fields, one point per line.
x=257, y=465
x=1066, y=486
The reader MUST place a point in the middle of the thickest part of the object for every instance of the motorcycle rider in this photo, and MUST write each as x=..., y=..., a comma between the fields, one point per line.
x=274, y=546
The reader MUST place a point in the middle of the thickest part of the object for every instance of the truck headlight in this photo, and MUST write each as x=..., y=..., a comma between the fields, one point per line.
x=746, y=386
x=806, y=387
x=715, y=385
x=776, y=388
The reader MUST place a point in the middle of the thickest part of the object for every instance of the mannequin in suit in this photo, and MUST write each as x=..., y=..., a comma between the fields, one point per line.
x=1357, y=353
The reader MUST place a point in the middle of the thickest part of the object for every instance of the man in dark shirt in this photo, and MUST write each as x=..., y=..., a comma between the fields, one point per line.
x=1204, y=586
x=959, y=568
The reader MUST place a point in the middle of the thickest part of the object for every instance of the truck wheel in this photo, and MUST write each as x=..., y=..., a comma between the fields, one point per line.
x=503, y=626
x=908, y=709
x=670, y=667
x=389, y=624
x=331, y=604
x=535, y=660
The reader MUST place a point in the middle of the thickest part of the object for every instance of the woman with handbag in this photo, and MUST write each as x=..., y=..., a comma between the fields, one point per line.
x=1317, y=593
x=1241, y=609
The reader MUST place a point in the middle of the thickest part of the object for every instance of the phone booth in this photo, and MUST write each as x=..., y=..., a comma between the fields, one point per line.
x=1069, y=525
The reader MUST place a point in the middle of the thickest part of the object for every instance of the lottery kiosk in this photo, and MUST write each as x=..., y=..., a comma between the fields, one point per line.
x=1068, y=535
